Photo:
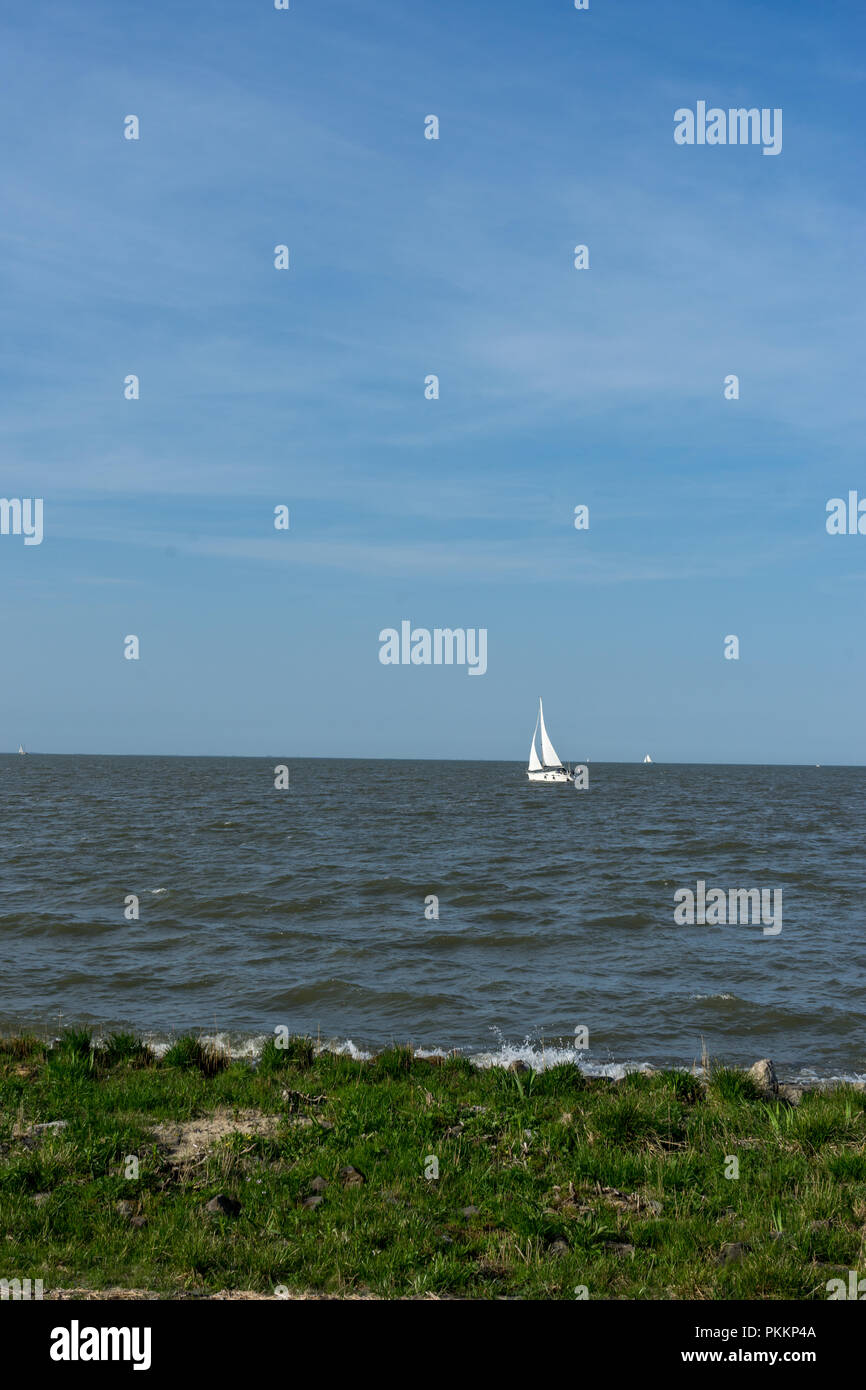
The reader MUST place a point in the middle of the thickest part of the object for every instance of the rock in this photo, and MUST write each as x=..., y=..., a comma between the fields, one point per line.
x=763, y=1074
x=470, y=1211
x=138, y=1222
x=732, y=1253
x=124, y=1208
x=37, y=1132
x=558, y=1248
x=792, y=1095
x=312, y=1202
x=517, y=1065
x=221, y=1205
x=621, y=1248
x=295, y=1099
x=39, y=1198
x=351, y=1177
x=318, y=1184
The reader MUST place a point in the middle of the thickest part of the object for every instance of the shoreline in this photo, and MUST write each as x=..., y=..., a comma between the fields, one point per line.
x=314, y=1174
x=538, y=1056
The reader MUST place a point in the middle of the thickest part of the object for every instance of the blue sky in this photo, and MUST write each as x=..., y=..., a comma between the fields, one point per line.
x=454, y=257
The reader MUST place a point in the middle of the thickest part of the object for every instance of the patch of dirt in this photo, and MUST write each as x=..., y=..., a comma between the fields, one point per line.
x=567, y=1201
x=184, y=1140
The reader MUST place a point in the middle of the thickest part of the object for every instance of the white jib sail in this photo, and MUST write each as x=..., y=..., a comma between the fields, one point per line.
x=534, y=763
x=549, y=755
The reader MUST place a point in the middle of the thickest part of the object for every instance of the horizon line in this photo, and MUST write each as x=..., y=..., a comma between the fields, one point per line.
x=345, y=758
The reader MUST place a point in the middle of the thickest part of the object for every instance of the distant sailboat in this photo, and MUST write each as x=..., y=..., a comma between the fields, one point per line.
x=547, y=768
x=647, y=759
x=21, y=748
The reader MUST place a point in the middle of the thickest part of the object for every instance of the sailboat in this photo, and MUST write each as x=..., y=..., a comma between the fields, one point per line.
x=547, y=768
x=21, y=748
x=647, y=759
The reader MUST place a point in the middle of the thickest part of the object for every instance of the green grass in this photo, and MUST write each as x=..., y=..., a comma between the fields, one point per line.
x=533, y=1152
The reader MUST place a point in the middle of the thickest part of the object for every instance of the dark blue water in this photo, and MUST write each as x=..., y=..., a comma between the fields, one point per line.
x=306, y=907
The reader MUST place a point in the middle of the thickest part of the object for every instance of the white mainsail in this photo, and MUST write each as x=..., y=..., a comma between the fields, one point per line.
x=534, y=763
x=549, y=755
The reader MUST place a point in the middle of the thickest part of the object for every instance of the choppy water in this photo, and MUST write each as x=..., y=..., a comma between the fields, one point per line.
x=305, y=907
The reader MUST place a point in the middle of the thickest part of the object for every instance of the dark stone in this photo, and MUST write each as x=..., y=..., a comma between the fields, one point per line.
x=318, y=1184
x=221, y=1205
x=732, y=1253
x=312, y=1202
x=470, y=1211
x=351, y=1177
x=791, y=1094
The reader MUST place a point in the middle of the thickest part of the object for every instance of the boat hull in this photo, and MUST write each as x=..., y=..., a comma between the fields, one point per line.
x=556, y=775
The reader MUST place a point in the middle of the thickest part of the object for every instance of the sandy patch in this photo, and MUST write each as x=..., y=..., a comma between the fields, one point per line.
x=185, y=1140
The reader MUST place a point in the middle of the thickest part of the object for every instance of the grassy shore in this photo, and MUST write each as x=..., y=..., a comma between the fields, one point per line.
x=323, y=1168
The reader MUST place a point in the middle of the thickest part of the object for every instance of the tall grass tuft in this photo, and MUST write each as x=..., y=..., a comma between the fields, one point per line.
x=190, y=1054
x=298, y=1052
